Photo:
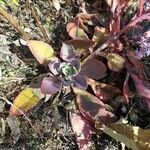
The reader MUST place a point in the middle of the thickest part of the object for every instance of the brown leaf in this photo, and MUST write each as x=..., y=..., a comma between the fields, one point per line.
x=82, y=130
x=91, y=107
x=104, y=91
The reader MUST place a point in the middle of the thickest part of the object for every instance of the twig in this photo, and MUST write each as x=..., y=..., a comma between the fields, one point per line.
x=35, y=16
x=14, y=23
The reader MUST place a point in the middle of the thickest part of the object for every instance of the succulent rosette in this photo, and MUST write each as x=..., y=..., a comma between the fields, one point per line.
x=69, y=72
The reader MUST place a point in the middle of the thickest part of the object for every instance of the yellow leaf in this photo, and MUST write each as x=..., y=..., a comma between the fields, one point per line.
x=41, y=51
x=24, y=101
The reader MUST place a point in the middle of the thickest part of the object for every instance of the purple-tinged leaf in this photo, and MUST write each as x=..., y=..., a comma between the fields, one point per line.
x=82, y=130
x=91, y=107
x=104, y=91
x=54, y=66
x=81, y=45
x=50, y=85
x=76, y=64
x=80, y=82
x=67, y=52
x=93, y=69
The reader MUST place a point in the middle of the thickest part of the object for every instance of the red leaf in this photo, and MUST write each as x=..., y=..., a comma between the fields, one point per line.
x=93, y=69
x=104, y=91
x=82, y=130
x=91, y=107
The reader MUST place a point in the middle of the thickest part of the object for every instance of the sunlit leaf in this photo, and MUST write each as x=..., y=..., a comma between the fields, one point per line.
x=115, y=62
x=104, y=91
x=67, y=52
x=132, y=136
x=93, y=69
x=80, y=45
x=24, y=101
x=91, y=107
x=41, y=51
x=50, y=85
x=82, y=130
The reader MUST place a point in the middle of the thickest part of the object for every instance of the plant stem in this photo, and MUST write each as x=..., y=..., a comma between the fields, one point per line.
x=14, y=23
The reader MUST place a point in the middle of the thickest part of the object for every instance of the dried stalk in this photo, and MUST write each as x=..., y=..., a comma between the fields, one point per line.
x=35, y=16
x=14, y=23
